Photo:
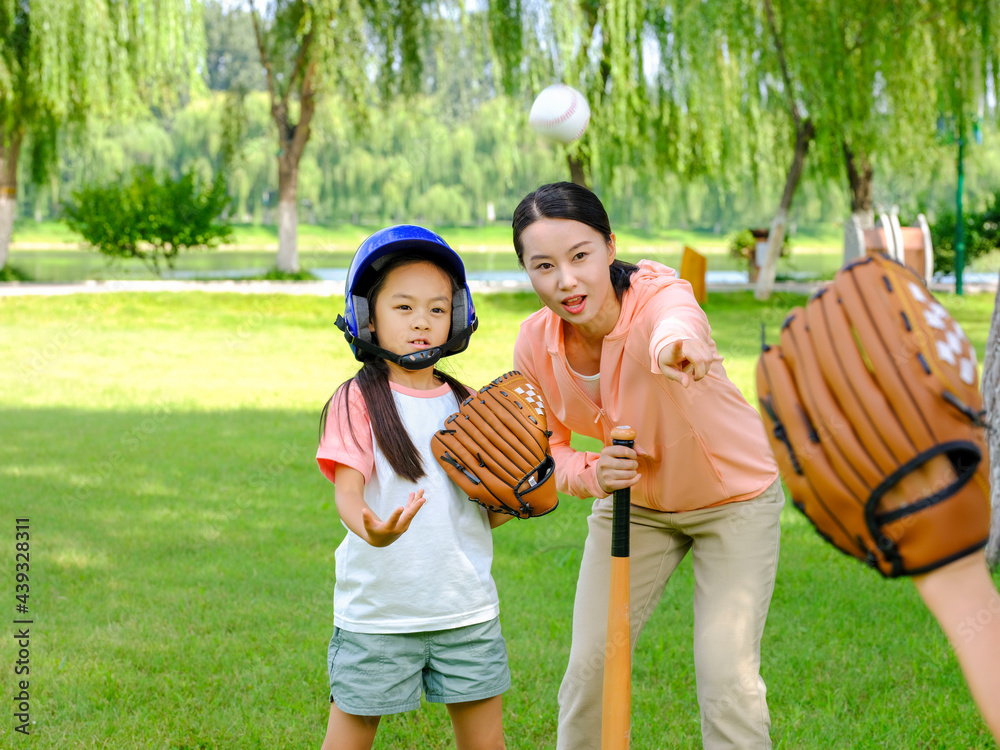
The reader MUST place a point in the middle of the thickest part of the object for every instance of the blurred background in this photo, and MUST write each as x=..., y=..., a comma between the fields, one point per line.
x=323, y=120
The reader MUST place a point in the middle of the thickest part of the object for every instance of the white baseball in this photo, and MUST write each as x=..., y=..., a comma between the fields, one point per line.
x=560, y=113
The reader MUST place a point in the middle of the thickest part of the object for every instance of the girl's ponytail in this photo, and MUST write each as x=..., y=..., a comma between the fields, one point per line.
x=372, y=380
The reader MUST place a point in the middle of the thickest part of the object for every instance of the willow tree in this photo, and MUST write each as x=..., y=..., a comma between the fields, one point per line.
x=290, y=39
x=63, y=62
x=369, y=50
x=791, y=91
x=669, y=84
x=858, y=75
x=544, y=43
x=716, y=118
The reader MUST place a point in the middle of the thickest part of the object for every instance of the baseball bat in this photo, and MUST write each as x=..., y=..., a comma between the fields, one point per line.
x=616, y=724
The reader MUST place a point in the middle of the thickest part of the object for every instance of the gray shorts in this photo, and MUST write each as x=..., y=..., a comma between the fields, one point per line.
x=373, y=674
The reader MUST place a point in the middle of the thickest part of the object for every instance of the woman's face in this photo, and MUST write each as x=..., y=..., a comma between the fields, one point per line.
x=567, y=263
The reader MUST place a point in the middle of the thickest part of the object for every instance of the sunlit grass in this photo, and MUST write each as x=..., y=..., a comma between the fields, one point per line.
x=182, y=546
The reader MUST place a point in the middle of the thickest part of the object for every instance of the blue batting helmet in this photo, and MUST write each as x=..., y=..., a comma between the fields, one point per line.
x=369, y=260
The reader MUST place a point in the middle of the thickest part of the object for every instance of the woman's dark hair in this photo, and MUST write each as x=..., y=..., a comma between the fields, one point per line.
x=373, y=382
x=567, y=200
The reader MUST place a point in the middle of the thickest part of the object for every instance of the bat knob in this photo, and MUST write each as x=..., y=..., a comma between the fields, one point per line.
x=623, y=433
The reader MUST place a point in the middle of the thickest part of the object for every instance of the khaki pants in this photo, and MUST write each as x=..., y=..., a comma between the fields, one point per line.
x=734, y=549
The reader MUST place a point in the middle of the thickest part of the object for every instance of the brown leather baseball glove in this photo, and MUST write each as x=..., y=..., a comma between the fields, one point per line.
x=872, y=407
x=496, y=448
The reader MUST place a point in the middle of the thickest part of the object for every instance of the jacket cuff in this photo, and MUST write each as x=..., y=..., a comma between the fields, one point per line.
x=588, y=478
x=665, y=334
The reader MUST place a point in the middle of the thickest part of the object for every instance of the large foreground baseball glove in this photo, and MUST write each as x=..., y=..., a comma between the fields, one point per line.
x=872, y=407
x=496, y=447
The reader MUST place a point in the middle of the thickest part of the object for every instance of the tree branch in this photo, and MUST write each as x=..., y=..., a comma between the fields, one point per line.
x=279, y=109
x=307, y=107
x=264, y=59
x=782, y=63
x=304, y=65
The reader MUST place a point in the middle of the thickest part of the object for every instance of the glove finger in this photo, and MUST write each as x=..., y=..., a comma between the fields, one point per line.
x=815, y=486
x=522, y=433
x=481, y=445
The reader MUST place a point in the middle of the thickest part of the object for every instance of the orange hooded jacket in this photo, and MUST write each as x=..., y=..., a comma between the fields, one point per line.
x=698, y=446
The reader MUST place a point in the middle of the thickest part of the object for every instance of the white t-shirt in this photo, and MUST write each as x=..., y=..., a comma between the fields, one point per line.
x=436, y=575
x=589, y=384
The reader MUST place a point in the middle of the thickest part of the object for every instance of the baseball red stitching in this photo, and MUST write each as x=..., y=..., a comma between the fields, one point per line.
x=565, y=116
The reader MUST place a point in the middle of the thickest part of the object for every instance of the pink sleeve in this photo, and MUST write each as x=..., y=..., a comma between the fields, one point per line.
x=676, y=316
x=576, y=471
x=338, y=445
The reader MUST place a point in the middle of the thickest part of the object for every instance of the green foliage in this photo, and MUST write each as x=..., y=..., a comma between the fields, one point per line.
x=982, y=234
x=13, y=273
x=232, y=62
x=697, y=144
x=275, y=275
x=506, y=35
x=65, y=61
x=150, y=218
x=743, y=244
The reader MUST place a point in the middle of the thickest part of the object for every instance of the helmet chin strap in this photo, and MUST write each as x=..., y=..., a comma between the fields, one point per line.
x=415, y=361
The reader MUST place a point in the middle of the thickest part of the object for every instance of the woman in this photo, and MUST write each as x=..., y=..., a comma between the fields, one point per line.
x=623, y=344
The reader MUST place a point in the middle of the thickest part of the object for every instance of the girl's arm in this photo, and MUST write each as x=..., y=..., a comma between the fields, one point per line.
x=359, y=518
x=498, y=519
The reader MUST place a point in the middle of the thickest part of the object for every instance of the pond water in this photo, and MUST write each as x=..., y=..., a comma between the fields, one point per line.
x=68, y=265
x=968, y=277
x=72, y=265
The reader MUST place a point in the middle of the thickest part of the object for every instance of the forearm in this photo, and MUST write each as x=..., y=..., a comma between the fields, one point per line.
x=962, y=598
x=498, y=519
x=349, y=507
x=576, y=472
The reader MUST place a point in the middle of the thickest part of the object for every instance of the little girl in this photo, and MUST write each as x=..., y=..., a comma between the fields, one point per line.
x=415, y=607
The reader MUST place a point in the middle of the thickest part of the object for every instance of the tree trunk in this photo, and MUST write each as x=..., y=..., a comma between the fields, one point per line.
x=859, y=180
x=288, y=215
x=854, y=239
x=577, y=171
x=8, y=193
x=991, y=402
x=804, y=133
x=292, y=137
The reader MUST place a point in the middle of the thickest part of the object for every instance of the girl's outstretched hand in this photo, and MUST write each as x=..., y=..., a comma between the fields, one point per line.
x=686, y=359
x=383, y=533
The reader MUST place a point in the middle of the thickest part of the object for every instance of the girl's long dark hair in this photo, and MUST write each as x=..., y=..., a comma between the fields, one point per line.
x=372, y=380
x=567, y=200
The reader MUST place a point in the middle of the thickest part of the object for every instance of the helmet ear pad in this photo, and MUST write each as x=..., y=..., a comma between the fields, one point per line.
x=358, y=317
x=462, y=316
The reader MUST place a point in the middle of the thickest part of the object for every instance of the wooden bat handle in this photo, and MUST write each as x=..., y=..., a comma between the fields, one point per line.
x=616, y=713
x=622, y=434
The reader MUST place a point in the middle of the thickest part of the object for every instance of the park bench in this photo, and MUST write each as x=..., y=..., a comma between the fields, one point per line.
x=911, y=245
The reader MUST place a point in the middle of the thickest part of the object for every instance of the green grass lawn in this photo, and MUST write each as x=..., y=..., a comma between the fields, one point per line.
x=182, y=546
x=494, y=235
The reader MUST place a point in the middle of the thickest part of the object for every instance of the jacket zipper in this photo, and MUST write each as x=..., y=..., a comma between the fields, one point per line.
x=600, y=409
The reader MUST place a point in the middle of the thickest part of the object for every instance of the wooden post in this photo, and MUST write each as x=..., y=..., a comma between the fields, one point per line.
x=693, y=268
